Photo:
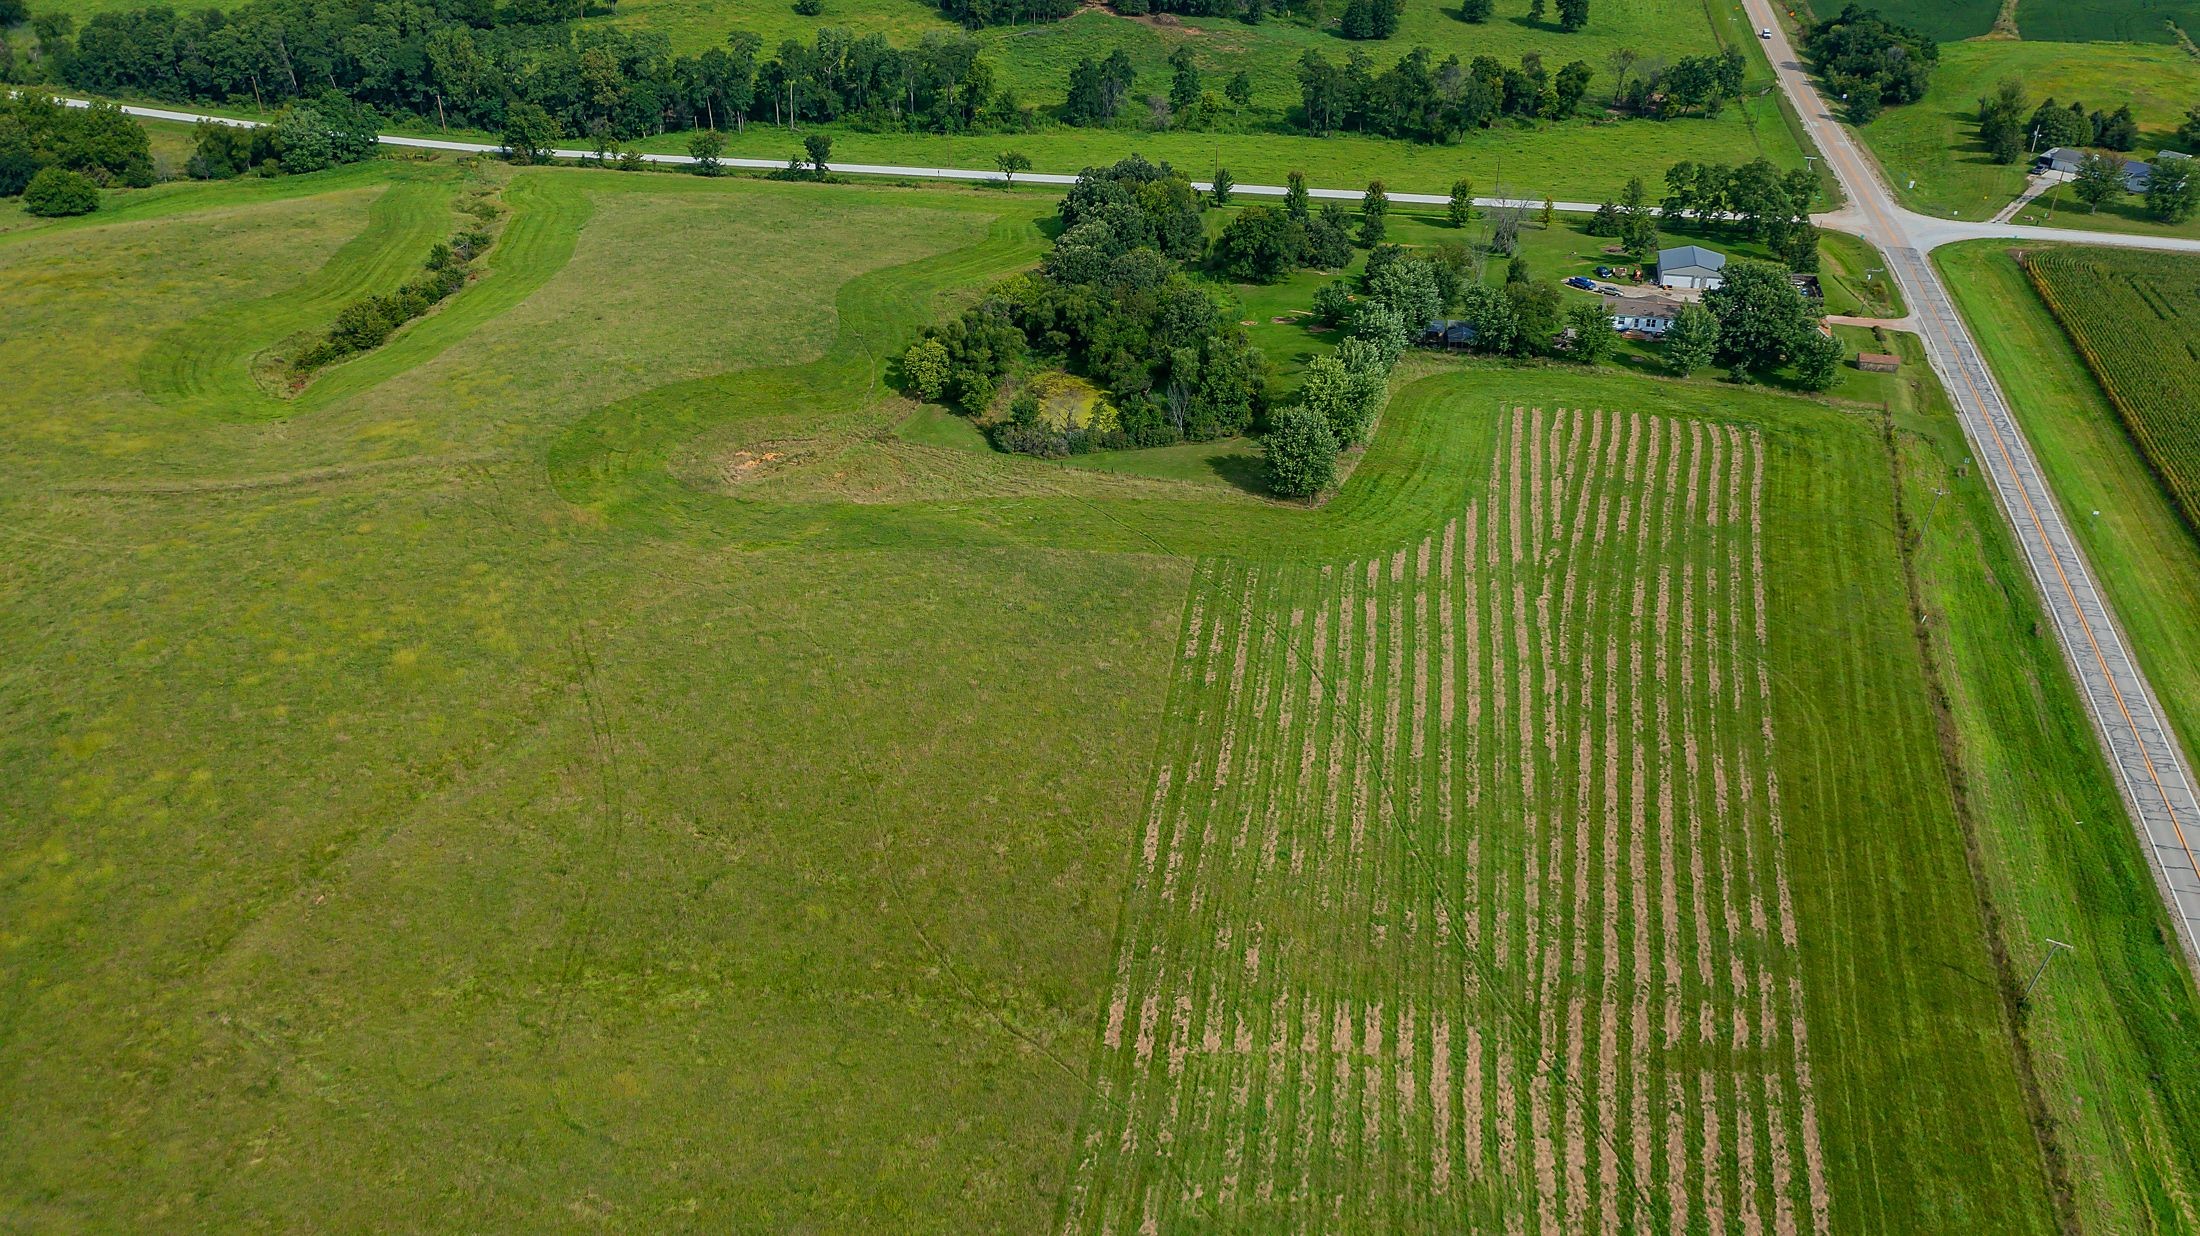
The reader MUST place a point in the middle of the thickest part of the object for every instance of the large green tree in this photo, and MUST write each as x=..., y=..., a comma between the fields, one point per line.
x=1763, y=320
x=2100, y=177
x=2001, y=121
x=1301, y=454
x=56, y=192
x=529, y=133
x=2173, y=192
x=1692, y=340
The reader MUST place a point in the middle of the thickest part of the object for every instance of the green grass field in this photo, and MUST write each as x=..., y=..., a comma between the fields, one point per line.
x=2135, y=21
x=1945, y=20
x=636, y=754
x=2055, y=21
x=1931, y=149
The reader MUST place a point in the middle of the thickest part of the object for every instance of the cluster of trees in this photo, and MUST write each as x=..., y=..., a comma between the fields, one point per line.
x=1690, y=86
x=1630, y=220
x=1370, y=19
x=470, y=62
x=2188, y=133
x=1572, y=14
x=1433, y=103
x=1400, y=292
x=1111, y=299
x=364, y=324
x=304, y=137
x=2010, y=134
x=1754, y=200
x=57, y=158
x=1264, y=243
x=1343, y=393
x=1870, y=62
x=980, y=13
x=1754, y=322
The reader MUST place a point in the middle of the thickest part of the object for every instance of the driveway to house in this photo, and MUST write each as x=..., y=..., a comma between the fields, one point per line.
x=2151, y=769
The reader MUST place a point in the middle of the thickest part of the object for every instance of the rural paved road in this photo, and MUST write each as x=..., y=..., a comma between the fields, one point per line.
x=2151, y=769
x=1926, y=233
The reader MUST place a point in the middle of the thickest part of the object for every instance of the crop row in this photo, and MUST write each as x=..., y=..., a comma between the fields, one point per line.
x=2136, y=319
x=1460, y=900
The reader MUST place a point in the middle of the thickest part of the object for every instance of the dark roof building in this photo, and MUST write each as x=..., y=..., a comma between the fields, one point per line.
x=1448, y=333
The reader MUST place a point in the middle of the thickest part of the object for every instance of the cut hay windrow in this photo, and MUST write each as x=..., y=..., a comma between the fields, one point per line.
x=1445, y=847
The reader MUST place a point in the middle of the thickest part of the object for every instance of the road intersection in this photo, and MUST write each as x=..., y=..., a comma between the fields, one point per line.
x=2151, y=769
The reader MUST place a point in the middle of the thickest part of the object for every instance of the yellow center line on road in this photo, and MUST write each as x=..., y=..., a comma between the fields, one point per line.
x=1870, y=196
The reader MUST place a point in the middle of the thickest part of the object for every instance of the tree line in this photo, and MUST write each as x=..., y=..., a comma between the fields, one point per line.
x=466, y=63
x=1358, y=19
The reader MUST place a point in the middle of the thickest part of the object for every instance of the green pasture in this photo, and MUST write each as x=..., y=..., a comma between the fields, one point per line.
x=606, y=759
x=1931, y=149
x=1574, y=160
x=2135, y=21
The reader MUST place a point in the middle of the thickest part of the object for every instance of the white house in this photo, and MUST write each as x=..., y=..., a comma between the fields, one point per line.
x=1691, y=266
x=1641, y=313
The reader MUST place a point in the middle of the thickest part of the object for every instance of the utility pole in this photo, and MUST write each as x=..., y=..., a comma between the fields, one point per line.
x=2052, y=946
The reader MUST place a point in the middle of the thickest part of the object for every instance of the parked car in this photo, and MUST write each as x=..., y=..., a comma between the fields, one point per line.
x=1604, y=272
x=1585, y=284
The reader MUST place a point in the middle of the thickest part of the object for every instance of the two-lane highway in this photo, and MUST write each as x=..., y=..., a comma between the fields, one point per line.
x=2151, y=768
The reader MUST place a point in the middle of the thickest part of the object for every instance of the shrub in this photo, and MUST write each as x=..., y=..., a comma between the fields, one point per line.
x=925, y=367
x=56, y=192
x=1301, y=454
x=1333, y=303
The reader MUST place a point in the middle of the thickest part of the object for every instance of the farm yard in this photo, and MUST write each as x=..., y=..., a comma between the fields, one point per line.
x=1938, y=165
x=611, y=736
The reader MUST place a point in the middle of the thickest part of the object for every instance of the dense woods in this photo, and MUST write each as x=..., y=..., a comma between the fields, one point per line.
x=1869, y=62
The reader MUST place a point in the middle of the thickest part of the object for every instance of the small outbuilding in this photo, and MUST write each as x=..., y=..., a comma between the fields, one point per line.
x=1691, y=266
x=1878, y=362
x=1451, y=334
x=1649, y=315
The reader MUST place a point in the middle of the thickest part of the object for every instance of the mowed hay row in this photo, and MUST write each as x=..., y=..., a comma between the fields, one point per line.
x=1460, y=898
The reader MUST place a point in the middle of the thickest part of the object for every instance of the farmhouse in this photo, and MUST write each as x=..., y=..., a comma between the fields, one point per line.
x=2137, y=175
x=1878, y=362
x=1645, y=314
x=1691, y=266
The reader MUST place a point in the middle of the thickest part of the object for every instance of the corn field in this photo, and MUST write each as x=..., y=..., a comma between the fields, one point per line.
x=2136, y=319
